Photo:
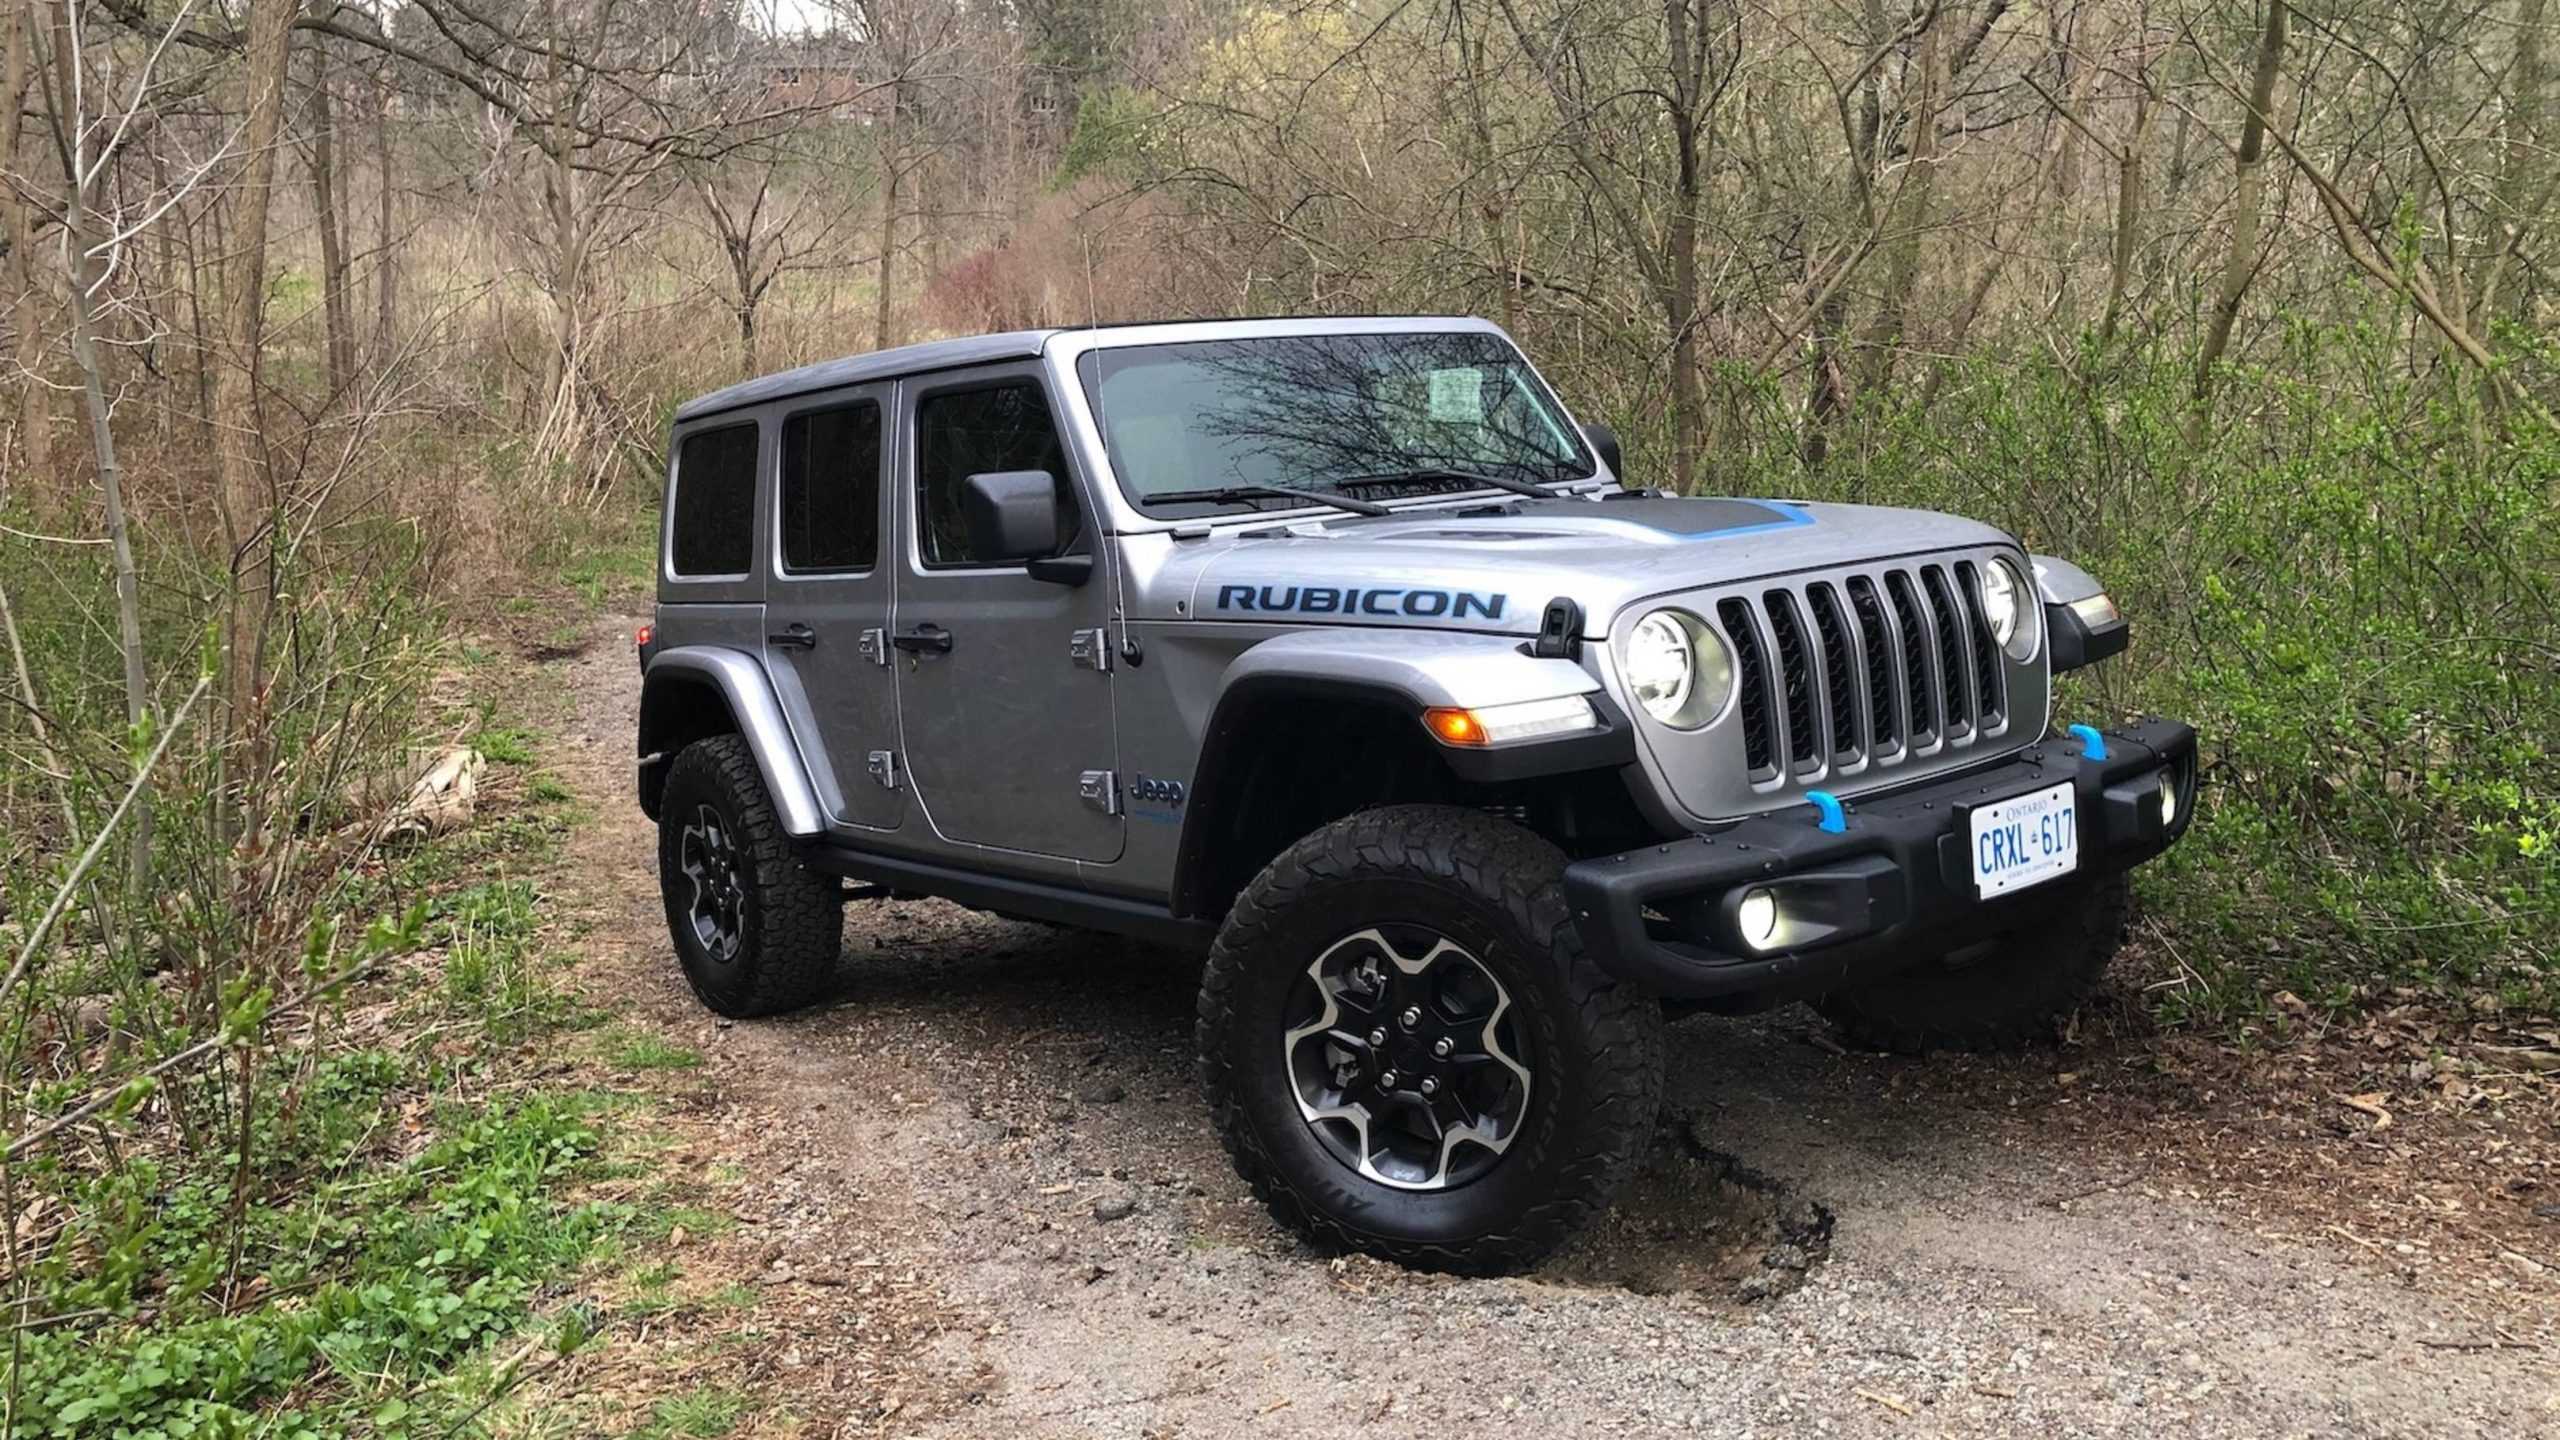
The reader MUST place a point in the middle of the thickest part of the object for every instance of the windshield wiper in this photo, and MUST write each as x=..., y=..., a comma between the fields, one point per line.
x=1218, y=493
x=1426, y=474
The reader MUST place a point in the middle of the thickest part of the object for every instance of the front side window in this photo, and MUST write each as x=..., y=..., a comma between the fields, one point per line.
x=960, y=433
x=1369, y=416
x=831, y=490
x=715, y=502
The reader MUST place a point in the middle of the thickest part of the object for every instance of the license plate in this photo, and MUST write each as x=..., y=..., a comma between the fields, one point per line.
x=2025, y=840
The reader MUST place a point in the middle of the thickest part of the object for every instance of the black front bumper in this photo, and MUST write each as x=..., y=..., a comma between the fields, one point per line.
x=1894, y=886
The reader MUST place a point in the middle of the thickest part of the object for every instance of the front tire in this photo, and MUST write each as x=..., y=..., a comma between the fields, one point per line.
x=1406, y=1052
x=757, y=931
x=2012, y=992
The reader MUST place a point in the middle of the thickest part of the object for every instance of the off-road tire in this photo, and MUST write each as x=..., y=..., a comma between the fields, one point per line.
x=792, y=917
x=1596, y=1045
x=2017, y=994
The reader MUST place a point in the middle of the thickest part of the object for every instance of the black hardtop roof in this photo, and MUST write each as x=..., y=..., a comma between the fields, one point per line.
x=886, y=364
x=902, y=360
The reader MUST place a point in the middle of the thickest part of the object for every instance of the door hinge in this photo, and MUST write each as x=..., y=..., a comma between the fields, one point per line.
x=1101, y=790
x=1090, y=649
x=883, y=766
x=874, y=645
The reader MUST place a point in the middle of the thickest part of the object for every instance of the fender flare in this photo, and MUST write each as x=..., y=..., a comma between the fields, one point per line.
x=1402, y=671
x=757, y=713
x=2073, y=641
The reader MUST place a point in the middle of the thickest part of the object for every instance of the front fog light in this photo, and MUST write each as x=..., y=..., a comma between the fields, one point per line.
x=1758, y=917
x=2168, y=799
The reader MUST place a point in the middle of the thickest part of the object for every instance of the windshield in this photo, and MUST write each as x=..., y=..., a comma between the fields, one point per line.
x=1370, y=416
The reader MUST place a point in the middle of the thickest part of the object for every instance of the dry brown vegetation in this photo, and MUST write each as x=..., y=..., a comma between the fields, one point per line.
x=328, y=324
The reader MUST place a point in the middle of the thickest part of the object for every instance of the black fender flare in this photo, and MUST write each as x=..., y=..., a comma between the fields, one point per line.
x=1225, y=753
x=755, y=713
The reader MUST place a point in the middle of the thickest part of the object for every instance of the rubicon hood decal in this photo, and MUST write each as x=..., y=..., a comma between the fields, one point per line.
x=1422, y=604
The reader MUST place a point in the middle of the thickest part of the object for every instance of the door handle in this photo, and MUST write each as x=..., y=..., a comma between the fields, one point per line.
x=927, y=636
x=794, y=635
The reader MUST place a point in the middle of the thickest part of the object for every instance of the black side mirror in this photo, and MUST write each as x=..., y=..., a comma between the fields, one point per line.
x=1605, y=440
x=1013, y=515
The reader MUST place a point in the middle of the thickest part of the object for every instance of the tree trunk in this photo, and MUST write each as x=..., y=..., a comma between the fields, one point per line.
x=2128, y=209
x=386, y=274
x=17, y=230
x=2526, y=144
x=883, y=313
x=245, y=495
x=337, y=301
x=83, y=272
x=2246, y=201
x=1907, y=217
x=1680, y=298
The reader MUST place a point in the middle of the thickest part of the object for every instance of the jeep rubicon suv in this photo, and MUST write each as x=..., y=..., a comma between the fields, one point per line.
x=1338, y=648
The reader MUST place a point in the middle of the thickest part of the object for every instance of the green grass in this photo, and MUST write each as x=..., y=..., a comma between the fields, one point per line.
x=704, y=1414
x=505, y=744
x=626, y=1049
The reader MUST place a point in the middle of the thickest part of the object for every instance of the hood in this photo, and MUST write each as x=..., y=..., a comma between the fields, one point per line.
x=1495, y=566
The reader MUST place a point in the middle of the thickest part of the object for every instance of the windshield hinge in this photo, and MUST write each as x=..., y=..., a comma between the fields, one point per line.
x=1560, y=630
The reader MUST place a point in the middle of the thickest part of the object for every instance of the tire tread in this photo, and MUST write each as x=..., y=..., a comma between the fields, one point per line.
x=1521, y=873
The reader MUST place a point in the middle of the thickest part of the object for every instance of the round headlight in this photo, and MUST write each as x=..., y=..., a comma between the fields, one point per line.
x=1662, y=666
x=2168, y=799
x=2005, y=605
x=1677, y=669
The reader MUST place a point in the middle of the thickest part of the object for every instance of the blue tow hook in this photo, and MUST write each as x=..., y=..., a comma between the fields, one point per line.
x=2093, y=746
x=1835, y=820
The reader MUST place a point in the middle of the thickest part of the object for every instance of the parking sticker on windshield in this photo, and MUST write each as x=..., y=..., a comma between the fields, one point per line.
x=1457, y=394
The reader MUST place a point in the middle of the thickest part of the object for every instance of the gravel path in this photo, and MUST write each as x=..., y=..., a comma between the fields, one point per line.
x=1820, y=1244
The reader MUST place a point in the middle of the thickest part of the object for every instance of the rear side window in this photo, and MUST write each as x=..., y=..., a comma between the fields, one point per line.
x=715, y=502
x=831, y=490
x=960, y=433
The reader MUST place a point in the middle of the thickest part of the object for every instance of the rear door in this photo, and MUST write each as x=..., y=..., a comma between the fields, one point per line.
x=827, y=608
x=1004, y=691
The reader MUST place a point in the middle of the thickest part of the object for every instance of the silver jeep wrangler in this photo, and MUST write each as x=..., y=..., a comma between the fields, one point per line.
x=1338, y=648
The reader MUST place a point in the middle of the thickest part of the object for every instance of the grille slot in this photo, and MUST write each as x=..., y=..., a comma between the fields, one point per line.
x=1883, y=668
x=1838, y=656
x=1752, y=667
x=1884, y=707
x=1990, y=687
x=1796, y=680
x=1955, y=667
x=1911, y=619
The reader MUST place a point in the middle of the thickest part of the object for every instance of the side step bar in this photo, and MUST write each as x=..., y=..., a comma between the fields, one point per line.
x=1028, y=899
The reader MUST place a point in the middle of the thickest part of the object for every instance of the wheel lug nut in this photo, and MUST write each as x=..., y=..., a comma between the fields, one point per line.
x=1378, y=1036
x=1386, y=1079
x=1441, y=1047
x=1430, y=1086
x=1412, y=1016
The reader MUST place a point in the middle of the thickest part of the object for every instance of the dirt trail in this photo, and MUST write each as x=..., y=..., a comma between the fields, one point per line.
x=1822, y=1243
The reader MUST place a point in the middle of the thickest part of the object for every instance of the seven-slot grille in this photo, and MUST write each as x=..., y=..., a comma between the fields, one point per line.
x=1879, y=666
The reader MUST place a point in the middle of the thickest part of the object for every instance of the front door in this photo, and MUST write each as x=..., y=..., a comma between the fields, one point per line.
x=827, y=610
x=1004, y=700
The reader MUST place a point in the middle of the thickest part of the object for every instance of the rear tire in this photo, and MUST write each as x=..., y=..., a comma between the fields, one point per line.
x=757, y=931
x=1444, y=931
x=2015, y=994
